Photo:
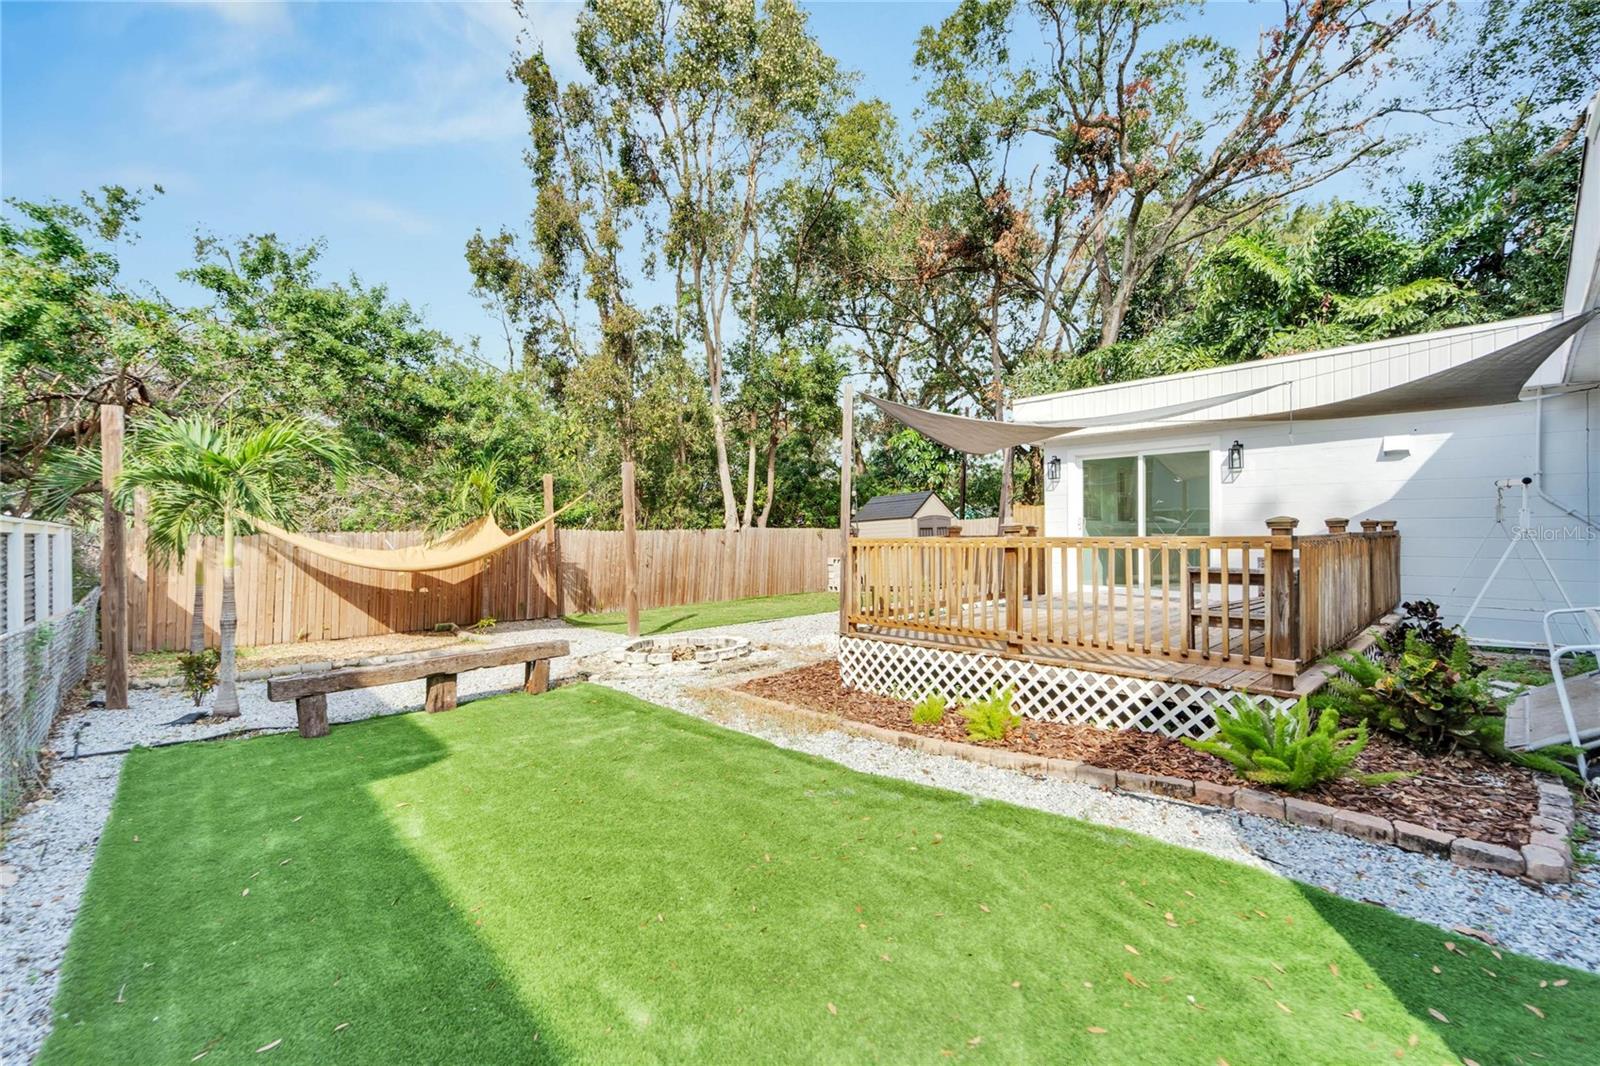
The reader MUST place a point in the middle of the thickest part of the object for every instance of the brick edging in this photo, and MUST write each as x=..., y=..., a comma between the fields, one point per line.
x=1547, y=857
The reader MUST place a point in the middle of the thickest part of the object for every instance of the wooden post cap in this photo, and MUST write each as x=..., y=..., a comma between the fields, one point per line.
x=1369, y=525
x=1282, y=525
x=1014, y=529
x=1386, y=525
x=1337, y=525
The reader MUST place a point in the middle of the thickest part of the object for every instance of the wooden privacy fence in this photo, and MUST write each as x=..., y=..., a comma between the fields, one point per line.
x=285, y=594
x=1273, y=603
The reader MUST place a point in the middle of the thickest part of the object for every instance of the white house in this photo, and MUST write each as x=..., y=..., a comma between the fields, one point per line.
x=1441, y=432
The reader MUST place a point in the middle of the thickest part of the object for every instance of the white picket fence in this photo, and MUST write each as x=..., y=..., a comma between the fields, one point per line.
x=45, y=642
x=35, y=572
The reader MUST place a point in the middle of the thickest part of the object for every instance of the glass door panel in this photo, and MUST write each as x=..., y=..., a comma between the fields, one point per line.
x=1177, y=499
x=1110, y=509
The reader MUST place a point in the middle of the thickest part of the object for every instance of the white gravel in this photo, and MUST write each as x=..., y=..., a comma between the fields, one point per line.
x=49, y=848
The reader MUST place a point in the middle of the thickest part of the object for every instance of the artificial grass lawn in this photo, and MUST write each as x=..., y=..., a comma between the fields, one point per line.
x=705, y=615
x=583, y=876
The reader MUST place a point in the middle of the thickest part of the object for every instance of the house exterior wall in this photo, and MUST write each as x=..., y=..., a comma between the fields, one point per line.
x=1433, y=472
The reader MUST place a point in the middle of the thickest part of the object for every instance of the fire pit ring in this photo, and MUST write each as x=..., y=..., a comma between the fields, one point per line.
x=686, y=650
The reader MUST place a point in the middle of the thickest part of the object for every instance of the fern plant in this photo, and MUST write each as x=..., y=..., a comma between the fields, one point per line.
x=991, y=718
x=930, y=709
x=1280, y=748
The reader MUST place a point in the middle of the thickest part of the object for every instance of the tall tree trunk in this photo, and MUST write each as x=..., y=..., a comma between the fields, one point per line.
x=998, y=367
x=750, y=481
x=197, y=620
x=772, y=471
x=227, y=702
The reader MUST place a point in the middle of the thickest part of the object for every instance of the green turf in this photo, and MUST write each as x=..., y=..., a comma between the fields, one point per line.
x=581, y=876
x=706, y=615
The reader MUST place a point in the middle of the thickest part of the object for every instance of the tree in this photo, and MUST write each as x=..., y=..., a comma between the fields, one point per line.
x=692, y=108
x=200, y=474
x=72, y=336
x=486, y=490
x=1140, y=168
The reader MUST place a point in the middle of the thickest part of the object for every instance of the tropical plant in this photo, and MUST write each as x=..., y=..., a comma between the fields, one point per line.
x=1421, y=617
x=199, y=671
x=486, y=491
x=1280, y=748
x=199, y=474
x=1435, y=703
x=930, y=709
x=991, y=718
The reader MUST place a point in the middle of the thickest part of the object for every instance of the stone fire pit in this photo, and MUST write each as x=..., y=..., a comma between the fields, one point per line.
x=687, y=651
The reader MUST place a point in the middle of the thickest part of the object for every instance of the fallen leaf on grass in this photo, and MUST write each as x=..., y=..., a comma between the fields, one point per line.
x=1280, y=969
x=1537, y=1013
x=1016, y=984
x=1095, y=1029
x=341, y=1026
x=832, y=1009
x=1283, y=1007
x=975, y=1041
x=1356, y=1014
x=1437, y=970
x=269, y=1047
x=1333, y=968
x=1438, y=1016
x=1127, y=975
x=1560, y=984
x=246, y=892
x=1130, y=949
x=983, y=908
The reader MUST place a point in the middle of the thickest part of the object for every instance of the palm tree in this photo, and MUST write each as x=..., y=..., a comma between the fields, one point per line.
x=73, y=473
x=200, y=475
x=478, y=493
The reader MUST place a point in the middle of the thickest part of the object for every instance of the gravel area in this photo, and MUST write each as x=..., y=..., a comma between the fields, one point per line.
x=50, y=847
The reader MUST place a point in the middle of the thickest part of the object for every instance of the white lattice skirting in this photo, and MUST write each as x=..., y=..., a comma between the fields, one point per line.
x=1051, y=693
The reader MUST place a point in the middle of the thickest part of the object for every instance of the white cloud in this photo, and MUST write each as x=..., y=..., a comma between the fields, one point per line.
x=255, y=14
x=185, y=102
x=391, y=216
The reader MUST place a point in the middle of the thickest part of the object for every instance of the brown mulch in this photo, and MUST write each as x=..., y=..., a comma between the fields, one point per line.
x=1464, y=793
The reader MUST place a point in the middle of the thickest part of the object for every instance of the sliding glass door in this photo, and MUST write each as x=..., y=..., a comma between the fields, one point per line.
x=1164, y=494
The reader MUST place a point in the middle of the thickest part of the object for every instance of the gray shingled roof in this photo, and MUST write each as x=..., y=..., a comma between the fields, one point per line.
x=900, y=505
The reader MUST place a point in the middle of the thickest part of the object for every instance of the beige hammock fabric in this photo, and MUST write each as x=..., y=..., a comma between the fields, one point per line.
x=474, y=541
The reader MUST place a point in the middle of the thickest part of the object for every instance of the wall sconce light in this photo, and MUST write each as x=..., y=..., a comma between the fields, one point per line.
x=1052, y=469
x=1235, y=457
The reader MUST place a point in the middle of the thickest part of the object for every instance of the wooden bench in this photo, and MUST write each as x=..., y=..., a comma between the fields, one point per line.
x=310, y=691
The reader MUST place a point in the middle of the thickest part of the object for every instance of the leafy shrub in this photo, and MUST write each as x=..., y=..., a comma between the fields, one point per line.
x=1273, y=747
x=1421, y=620
x=199, y=672
x=1436, y=704
x=484, y=624
x=991, y=718
x=930, y=709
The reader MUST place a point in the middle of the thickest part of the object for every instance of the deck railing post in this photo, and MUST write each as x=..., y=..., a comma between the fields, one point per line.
x=1284, y=610
x=1011, y=582
x=847, y=577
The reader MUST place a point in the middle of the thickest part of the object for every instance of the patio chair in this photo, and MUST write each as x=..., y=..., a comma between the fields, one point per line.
x=1566, y=711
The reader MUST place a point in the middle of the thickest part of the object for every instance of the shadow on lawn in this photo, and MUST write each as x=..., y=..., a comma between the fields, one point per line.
x=1498, y=1026
x=249, y=892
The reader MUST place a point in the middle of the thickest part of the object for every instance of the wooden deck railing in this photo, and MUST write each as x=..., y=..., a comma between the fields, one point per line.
x=1270, y=603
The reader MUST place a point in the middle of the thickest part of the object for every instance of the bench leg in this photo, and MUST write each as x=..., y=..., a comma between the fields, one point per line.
x=312, y=711
x=536, y=676
x=441, y=692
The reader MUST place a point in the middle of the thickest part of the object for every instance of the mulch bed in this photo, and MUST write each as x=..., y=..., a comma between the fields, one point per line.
x=1464, y=793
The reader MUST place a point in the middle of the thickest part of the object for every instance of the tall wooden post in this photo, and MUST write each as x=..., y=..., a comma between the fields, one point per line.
x=630, y=550
x=1282, y=636
x=554, y=593
x=847, y=411
x=113, y=562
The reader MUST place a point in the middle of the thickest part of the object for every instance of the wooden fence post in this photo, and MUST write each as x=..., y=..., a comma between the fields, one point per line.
x=1285, y=606
x=630, y=550
x=846, y=447
x=555, y=594
x=113, y=562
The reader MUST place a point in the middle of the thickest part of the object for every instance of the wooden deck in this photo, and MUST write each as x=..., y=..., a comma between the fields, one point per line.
x=1252, y=614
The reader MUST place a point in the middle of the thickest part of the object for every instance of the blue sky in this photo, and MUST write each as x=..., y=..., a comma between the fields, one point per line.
x=388, y=129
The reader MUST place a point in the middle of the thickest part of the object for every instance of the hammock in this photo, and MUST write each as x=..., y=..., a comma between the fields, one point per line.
x=473, y=541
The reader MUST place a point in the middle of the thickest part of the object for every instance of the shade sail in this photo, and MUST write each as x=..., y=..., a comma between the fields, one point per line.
x=980, y=436
x=1495, y=378
x=474, y=541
